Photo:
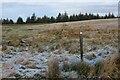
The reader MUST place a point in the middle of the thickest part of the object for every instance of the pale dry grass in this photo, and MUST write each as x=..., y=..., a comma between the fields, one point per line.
x=53, y=69
x=111, y=67
x=66, y=36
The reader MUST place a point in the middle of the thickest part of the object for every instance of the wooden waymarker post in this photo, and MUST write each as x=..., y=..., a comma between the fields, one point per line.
x=81, y=45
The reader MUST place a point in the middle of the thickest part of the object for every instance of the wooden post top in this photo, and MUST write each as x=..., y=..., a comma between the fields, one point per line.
x=80, y=32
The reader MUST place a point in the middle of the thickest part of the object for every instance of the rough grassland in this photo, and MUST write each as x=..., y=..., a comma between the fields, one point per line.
x=95, y=32
x=29, y=50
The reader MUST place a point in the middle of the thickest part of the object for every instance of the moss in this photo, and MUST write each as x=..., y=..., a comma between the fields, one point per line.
x=37, y=76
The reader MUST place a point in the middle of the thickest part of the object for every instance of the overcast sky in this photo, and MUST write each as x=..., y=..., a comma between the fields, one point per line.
x=24, y=8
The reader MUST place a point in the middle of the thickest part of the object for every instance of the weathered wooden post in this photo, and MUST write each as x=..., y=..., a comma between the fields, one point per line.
x=81, y=45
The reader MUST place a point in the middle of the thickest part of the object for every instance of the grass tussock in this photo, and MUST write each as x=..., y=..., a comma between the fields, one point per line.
x=112, y=67
x=102, y=69
x=84, y=69
x=107, y=68
x=99, y=68
x=53, y=69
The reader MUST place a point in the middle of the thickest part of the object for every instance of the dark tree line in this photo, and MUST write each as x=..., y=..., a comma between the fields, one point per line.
x=60, y=18
x=7, y=21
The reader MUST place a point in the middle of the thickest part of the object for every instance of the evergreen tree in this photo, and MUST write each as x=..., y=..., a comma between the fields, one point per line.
x=45, y=19
x=73, y=17
x=33, y=18
x=86, y=16
x=109, y=15
x=59, y=18
x=77, y=17
x=28, y=20
x=0, y=21
x=11, y=21
x=112, y=15
x=5, y=21
x=97, y=16
x=19, y=20
x=65, y=17
x=105, y=17
x=39, y=20
x=102, y=17
x=80, y=17
x=52, y=19
x=90, y=16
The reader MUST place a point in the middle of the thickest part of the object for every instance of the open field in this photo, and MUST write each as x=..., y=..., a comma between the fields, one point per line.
x=35, y=50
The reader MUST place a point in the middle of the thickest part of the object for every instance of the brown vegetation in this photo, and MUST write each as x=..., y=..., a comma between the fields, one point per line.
x=53, y=69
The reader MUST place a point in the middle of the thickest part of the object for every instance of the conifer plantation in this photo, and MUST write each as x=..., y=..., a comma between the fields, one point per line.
x=62, y=17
